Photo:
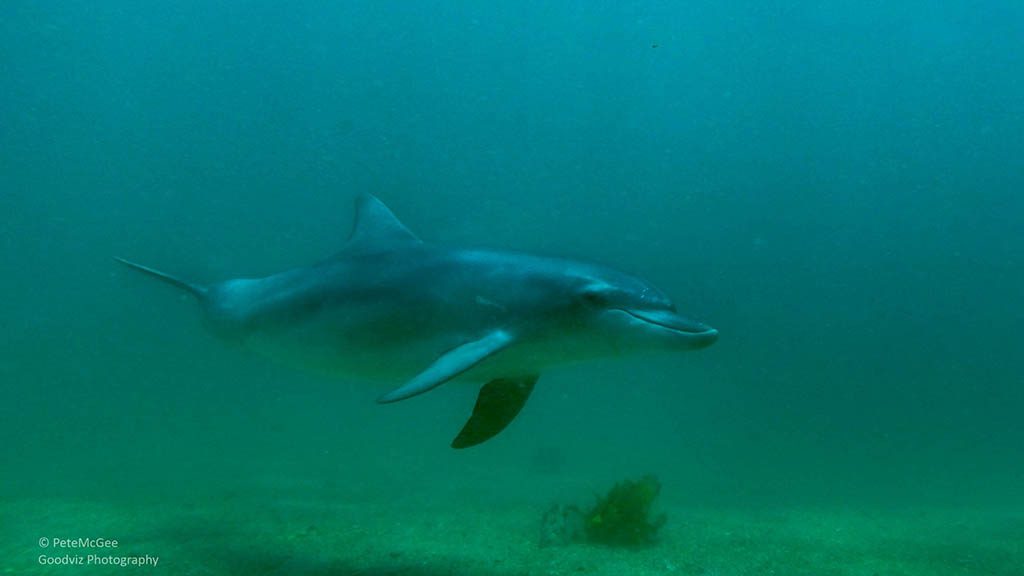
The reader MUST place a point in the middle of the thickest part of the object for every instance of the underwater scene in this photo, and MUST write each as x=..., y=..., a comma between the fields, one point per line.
x=512, y=288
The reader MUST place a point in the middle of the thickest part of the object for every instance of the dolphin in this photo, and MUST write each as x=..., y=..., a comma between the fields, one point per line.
x=390, y=307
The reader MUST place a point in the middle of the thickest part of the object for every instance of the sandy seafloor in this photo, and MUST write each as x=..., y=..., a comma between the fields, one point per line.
x=297, y=528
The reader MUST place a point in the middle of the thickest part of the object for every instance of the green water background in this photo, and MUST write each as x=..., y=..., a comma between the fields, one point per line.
x=836, y=187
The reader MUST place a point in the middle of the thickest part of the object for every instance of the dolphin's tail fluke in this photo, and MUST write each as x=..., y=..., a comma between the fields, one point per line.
x=196, y=289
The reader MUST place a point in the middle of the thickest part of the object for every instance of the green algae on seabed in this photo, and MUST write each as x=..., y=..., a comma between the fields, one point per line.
x=623, y=516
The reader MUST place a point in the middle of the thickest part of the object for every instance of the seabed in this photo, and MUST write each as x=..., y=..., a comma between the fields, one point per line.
x=287, y=531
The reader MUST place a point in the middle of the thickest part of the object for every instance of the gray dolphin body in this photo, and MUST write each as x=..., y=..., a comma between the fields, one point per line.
x=391, y=307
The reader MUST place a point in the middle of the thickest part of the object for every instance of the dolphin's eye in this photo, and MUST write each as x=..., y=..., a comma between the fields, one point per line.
x=595, y=298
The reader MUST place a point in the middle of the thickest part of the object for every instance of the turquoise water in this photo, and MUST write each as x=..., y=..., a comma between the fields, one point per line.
x=835, y=187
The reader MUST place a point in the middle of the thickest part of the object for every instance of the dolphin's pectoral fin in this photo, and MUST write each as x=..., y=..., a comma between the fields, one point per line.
x=497, y=405
x=450, y=365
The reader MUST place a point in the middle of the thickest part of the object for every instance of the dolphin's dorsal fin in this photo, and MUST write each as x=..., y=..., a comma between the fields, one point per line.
x=376, y=229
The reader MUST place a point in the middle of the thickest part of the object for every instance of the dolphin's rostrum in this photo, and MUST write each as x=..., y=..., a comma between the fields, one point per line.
x=391, y=307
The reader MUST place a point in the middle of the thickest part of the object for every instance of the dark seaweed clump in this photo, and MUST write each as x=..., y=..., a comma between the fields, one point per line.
x=623, y=516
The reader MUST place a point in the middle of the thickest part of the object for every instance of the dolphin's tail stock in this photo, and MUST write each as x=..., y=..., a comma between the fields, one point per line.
x=198, y=290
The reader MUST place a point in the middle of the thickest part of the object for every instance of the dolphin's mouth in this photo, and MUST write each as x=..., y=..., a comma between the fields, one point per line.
x=674, y=322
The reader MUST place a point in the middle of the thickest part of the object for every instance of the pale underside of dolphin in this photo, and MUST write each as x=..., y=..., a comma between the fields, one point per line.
x=391, y=307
